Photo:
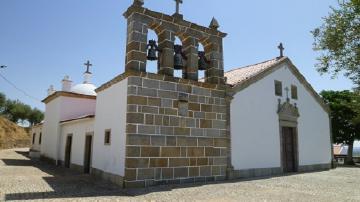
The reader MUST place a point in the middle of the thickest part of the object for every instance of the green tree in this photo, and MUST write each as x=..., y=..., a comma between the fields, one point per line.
x=35, y=117
x=2, y=102
x=345, y=118
x=338, y=40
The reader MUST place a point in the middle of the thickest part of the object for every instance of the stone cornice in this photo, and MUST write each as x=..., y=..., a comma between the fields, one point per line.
x=159, y=77
x=173, y=20
x=67, y=94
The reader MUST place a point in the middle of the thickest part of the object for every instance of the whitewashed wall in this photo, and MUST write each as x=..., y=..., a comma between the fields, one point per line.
x=37, y=131
x=111, y=114
x=51, y=129
x=255, y=133
x=79, y=129
x=59, y=109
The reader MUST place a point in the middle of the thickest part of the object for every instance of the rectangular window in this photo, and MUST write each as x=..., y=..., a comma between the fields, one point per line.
x=278, y=88
x=40, y=138
x=33, y=138
x=294, y=93
x=107, y=138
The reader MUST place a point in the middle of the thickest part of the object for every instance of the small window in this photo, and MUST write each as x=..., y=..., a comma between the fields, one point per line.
x=294, y=93
x=40, y=138
x=278, y=88
x=107, y=140
x=33, y=138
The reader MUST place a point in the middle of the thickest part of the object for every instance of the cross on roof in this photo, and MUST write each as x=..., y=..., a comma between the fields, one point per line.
x=281, y=48
x=88, y=65
x=178, y=2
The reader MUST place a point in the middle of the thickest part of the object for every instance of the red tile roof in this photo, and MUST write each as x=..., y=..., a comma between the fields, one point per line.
x=239, y=75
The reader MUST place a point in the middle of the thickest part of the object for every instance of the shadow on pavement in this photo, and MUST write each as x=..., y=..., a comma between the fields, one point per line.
x=67, y=183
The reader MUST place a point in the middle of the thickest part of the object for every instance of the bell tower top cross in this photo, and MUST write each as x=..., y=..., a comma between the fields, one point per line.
x=178, y=2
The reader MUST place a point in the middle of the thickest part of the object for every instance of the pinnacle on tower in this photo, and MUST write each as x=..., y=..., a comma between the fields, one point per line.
x=214, y=24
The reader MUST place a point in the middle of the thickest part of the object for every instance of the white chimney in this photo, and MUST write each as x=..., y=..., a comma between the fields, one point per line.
x=66, y=84
x=51, y=90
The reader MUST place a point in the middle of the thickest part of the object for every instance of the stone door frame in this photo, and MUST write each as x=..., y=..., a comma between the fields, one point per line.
x=288, y=117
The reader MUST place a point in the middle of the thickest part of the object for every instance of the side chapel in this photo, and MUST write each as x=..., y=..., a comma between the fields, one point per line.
x=142, y=129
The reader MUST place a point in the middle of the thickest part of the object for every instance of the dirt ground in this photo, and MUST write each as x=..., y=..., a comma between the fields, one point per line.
x=24, y=179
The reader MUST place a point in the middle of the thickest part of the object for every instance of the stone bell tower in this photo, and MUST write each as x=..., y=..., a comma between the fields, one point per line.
x=177, y=129
x=140, y=20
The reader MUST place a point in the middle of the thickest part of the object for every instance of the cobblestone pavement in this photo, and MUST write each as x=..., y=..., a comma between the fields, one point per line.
x=23, y=179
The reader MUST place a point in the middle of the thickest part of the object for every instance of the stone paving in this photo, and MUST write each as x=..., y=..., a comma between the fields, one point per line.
x=24, y=179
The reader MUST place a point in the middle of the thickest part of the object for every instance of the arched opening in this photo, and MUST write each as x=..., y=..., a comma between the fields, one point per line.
x=202, y=64
x=178, y=58
x=152, y=65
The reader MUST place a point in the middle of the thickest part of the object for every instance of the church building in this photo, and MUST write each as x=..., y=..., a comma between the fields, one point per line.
x=142, y=129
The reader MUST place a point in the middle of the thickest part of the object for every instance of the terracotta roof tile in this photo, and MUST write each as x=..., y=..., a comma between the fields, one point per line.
x=241, y=74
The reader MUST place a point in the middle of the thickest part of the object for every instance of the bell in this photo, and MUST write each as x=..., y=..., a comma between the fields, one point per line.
x=178, y=57
x=202, y=62
x=152, y=49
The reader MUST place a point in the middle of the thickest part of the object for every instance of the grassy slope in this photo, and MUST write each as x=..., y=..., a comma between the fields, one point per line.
x=12, y=135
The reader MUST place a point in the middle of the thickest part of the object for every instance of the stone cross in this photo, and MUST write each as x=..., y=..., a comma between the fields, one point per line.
x=178, y=2
x=88, y=65
x=287, y=92
x=281, y=48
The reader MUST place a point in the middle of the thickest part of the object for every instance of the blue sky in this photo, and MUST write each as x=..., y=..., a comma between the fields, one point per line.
x=41, y=41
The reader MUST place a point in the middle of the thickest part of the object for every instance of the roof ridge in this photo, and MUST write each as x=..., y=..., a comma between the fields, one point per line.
x=247, y=66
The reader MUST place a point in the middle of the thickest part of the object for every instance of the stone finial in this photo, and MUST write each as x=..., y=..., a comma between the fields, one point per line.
x=138, y=2
x=214, y=24
x=51, y=90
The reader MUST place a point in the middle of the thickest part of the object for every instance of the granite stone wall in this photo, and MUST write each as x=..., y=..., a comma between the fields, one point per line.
x=176, y=131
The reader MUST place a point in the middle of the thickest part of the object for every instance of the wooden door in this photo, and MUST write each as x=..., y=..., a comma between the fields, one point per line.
x=68, y=151
x=88, y=152
x=289, y=149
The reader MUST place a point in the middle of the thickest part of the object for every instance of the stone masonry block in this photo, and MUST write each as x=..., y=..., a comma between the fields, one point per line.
x=134, y=139
x=149, y=83
x=158, y=140
x=135, y=118
x=133, y=151
x=154, y=102
x=167, y=86
x=205, y=171
x=170, y=151
x=178, y=162
x=181, y=172
x=167, y=173
x=130, y=174
x=159, y=162
x=144, y=174
x=182, y=131
x=205, y=142
x=147, y=92
x=137, y=162
x=195, y=151
x=186, y=141
x=194, y=171
x=150, y=151
x=139, y=100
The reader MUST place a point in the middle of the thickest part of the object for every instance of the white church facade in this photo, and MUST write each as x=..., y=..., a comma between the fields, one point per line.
x=141, y=129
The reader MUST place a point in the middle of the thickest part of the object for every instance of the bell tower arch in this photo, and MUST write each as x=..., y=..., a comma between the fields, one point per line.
x=167, y=27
